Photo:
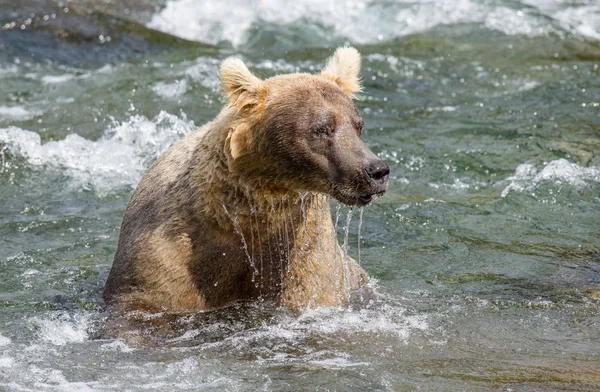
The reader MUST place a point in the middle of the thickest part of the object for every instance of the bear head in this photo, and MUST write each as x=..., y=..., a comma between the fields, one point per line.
x=301, y=132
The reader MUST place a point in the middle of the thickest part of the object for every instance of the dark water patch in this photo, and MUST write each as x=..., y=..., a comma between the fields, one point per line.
x=78, y=32
x=271, y=38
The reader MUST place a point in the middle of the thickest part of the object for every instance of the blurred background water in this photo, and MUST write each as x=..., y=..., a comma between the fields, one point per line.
x=485, y=250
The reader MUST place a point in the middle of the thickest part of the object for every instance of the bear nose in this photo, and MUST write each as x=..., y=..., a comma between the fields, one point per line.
x=378, y=171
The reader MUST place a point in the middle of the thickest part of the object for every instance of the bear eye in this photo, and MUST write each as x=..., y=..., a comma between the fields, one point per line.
x=359, y=126
x=324, y=130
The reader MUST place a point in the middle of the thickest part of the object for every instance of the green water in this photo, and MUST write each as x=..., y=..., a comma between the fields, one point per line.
x=485, y=251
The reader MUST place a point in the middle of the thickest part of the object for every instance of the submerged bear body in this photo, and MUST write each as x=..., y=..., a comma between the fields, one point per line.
x=238, y=210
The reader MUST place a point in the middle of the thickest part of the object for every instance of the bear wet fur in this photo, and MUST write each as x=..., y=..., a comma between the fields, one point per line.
x=238, y=210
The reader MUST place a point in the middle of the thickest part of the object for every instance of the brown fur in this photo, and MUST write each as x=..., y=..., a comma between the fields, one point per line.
x=238, y=210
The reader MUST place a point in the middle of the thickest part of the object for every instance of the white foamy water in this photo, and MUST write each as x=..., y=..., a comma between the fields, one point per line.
x=38, y=378
x=62, y=328
x=458, y=185
x=389, y=319
x=186, y=76
x=282, y=66
x=4, y=341
x=57, y=79
x=527, y=177
x=61, y=355
x=171, y=90
x=382, y=317
x=117, y=345
x=369, y=21
x=8, y=69
x=526, y=22
x=583, y=20
x=204, y=70
x=117, y=159
x=15, y=113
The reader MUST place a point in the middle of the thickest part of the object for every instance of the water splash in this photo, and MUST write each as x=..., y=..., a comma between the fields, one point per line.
x=345, y=256
x=116, y=160
x=336, y=254
x=270, y=233
x=560, y=171
x=171, y=90
x=365, y=21
x=62, y=328
x=4, y=341
x=583, y=20
x=282, y=337
x=16, y=113
x=240, y=232
x=358, y=237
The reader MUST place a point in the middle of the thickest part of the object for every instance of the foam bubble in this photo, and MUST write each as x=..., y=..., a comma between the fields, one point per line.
x=171, y=90
x=6, y=362
x=205, y=71
x=185, y=366
x=55, y=380
x=518, y=22
x=4, y=341
x=117, y=345
x=559, y=171
x=584, y=20
x=56, y=79
x=8, y=69
x=283, y=66
x=526, y=84
x=16, y=113
x=105, y=69
x=278, y=65
x=442, y=109
x=458, y=184
x=428, y=14
x=117, y=159
x=62, y=328
x=337, y=363
x=389, y=319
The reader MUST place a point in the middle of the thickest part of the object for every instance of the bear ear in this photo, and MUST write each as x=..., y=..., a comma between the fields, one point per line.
x=240, y=87
x=239, y=142
x=343, y=68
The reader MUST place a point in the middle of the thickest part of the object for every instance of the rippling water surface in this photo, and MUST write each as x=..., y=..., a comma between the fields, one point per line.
x=485, y=252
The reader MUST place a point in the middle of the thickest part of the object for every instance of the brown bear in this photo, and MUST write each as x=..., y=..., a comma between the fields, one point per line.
x=239, y=210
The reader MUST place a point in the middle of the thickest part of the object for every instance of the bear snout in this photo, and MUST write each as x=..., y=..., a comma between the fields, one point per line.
x=378, y=172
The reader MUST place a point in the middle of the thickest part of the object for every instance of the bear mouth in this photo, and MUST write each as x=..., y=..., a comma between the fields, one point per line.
x=363, y=200
x=358, y=200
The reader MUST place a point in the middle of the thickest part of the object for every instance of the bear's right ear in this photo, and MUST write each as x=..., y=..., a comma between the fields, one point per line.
x=343, y=68
x=240, y=87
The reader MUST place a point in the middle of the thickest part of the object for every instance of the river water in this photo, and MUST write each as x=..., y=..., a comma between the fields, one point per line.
x=484, y=253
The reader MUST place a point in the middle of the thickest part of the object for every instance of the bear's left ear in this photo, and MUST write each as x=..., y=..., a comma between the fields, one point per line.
x=240, y=87
x=343, y=68
x=239, y=142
